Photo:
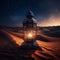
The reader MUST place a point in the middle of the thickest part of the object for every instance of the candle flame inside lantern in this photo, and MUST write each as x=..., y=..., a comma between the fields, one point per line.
x=30, y=35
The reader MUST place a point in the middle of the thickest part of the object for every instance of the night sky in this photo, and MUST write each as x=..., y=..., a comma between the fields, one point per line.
x=13, y=12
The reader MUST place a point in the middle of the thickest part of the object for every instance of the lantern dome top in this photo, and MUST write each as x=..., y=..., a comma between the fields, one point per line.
x=29, y=18
x=30, y=14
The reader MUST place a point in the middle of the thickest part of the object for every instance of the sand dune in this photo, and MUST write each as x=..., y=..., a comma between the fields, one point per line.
x=50, y=47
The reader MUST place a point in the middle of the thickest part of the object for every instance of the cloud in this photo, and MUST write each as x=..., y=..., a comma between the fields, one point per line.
x=53, y=20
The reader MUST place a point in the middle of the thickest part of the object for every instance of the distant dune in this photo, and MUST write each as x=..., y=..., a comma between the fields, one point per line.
x=53, y=31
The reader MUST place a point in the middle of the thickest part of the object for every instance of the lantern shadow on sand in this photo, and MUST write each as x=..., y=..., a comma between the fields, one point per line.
x=29, y=31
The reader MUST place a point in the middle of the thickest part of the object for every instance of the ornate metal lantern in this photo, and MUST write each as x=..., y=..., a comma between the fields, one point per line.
x=30, y=31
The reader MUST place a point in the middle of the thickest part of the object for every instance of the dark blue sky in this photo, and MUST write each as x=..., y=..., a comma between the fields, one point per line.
x=12, y=12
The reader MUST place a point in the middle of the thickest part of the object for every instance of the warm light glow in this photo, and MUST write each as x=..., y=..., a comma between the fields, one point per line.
x=30, y=35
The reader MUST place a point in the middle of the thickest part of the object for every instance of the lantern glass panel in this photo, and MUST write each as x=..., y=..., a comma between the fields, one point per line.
x=29, y=34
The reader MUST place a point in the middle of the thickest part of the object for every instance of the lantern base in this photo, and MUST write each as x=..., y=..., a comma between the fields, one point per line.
x=28, y=48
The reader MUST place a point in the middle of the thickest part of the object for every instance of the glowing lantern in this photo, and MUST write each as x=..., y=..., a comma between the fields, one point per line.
x=30, y=32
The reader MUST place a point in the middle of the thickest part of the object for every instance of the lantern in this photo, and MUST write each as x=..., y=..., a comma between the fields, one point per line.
x=30, y=32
